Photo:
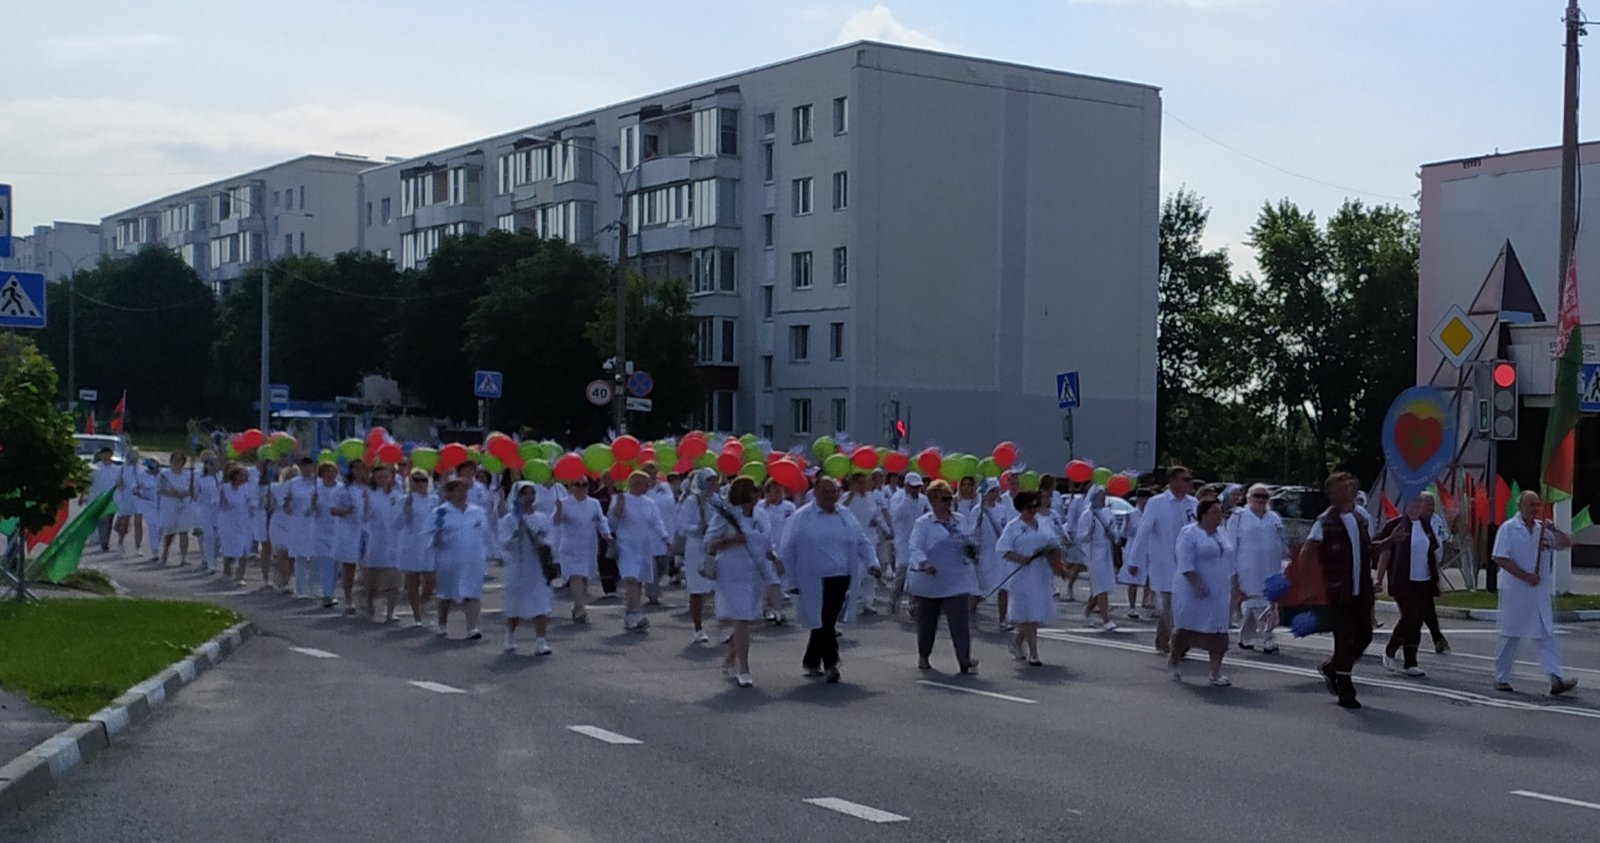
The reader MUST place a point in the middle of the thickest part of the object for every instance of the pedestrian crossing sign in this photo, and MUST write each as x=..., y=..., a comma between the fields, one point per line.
x=1589, y=386
x=22, y=303
x=1067, y=390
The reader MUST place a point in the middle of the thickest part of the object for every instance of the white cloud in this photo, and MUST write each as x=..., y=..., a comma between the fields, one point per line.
x=85, y=48
x=879, y=24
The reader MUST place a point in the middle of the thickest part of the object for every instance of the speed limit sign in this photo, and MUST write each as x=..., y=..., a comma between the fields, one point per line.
x=598, y=392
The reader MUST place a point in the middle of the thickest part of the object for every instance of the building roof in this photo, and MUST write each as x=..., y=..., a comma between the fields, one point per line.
x=343, y=158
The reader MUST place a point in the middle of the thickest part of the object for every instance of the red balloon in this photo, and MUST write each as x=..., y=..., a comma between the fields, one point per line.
x=625, y=448
x=799, y=460
x=249, y=440
x=1005, y=455
x=929, y=461
x=865, y=458
x=390, y=453
x=729, y=463
x=450, y=456
x=735, y=447
x=569, y=467
x=895, y=462
x=502, y=448
x=692, y=446
x=1079, y=471
x=1119, y=485
x=683, y=466
x=785, y=472
x=377, y=436
x=620, y=471
x=645, y=455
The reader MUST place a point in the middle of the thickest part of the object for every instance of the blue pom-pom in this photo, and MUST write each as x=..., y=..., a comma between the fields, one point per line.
x=1305, y=623
x=1277, y=587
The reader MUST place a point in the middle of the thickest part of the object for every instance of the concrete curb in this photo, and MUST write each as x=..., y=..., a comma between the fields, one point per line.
x=1491, y=615
x=34, y=773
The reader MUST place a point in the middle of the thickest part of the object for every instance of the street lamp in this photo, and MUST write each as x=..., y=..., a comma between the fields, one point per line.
x=264, y=417
x=620, y=369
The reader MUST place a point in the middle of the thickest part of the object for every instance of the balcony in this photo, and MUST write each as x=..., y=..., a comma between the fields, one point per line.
x=662, y=238
x=665, y=170
x=440, y=213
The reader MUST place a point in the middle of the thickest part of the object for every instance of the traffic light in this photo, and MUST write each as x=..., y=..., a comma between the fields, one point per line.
x=1503, y=403
x=900, y=429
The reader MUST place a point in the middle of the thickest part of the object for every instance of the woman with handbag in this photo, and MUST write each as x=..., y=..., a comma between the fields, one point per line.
x=693, y=516
x=1031, y=543
x=741, y=562
x=530, y=566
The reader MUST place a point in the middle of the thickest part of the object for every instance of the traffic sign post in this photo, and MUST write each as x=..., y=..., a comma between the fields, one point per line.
x=278, y=396
x=88, y=395
x=1067, y=396
x=639, y=405
x=22, y=301
x=640, y=384
x=486, y=384
x=598, y=392
x=5, y=220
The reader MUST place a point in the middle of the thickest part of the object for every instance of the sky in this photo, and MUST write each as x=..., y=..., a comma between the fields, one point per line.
x=110, y=104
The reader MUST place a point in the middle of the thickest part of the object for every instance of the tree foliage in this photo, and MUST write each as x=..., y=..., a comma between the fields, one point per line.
x=39, y=466
x=660, y=337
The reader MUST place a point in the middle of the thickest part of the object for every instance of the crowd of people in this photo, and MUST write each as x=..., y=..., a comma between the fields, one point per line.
x=1198, y=563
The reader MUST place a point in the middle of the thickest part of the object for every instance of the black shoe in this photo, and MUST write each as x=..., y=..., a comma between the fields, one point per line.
x=1331, y=679
x=833, y=676
x=1349, y=702
x=1441, y=646
x=1561, y=686
x=1347, y=693
x=1244, y=646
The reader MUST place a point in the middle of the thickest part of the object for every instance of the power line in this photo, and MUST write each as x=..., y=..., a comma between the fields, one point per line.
x=1265, y=163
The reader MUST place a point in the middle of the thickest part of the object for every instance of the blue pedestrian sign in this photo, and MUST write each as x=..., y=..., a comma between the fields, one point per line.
x=21, y=300
x=486, y=384
x=640, y=384
x=1589, y=389
x=1067, y=391
x=5, y=220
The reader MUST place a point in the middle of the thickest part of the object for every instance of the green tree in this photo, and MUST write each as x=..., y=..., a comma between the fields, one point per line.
x=39, y=467
x=661, y=329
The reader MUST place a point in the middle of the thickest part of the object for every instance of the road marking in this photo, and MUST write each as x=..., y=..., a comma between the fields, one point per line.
x=238, y=592
x=314, y=652
x=1445, y=659
x=990, y=694
x=436, y=687
x=860, y=812
x=1560, y=800
x=600, y=734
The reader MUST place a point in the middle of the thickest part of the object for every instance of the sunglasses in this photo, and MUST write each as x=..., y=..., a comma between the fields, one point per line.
x=1260, y=498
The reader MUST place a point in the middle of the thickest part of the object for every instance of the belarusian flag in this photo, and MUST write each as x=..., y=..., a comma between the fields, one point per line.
x=64, y=553
x=1560, y=434
x=118, y=412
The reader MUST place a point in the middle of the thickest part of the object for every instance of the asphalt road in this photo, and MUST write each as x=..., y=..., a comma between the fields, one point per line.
x=334, y=741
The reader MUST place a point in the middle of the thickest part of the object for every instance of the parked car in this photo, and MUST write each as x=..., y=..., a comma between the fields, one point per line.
x=90, y=444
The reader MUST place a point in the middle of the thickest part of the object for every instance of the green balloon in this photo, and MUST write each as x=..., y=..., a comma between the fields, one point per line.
x=327, y=456
x=706, y=460
x=753, y=453
x=284, y=446
x=537, y=470
x=950, y=468
x=970, y=465
x=755, y=470
x=881, y=452
x=1102, y=476
x=836, y=465
x=424, y=458
x=231, y=452
x=1030, y=481
x=493, y=463
x=987, y=467
x=824, y=447
x=598, y=458
x=666, y=455
x=530, y=451
x=749, y=440
x=352, y=449
x=264, y=453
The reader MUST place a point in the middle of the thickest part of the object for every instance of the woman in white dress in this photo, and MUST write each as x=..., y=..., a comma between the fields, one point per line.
x=413, y=555
x=127, y=498
x=1260, y=549
x=202, y=512
x=235, y=516
x=777, y=510
x=323, y=530
x=742, y=546
x=527, y=535
x=176, y=488
x=349, y=509
x=693, y=517
x=987, y=521
x=148, y=492
x=282, y=527
x=1096, y=535
x=304, y=546
x=1032, y=545
x=380, y=571
x=640, y=532
x=459, y=533
x=1202, y=592
x=1135, y=576
x=580, y=528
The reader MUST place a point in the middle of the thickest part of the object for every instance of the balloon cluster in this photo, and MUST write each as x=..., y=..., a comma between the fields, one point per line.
x=262, y=446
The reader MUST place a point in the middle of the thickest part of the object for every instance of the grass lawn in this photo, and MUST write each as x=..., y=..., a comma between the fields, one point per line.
x=75, y=656
x=1486, y=600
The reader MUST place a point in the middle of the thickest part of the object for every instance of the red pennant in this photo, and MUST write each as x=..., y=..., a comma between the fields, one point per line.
x=1389, y=512
x=1502, y=494
x=88, y=424
x=48, y=534
x=118, y=412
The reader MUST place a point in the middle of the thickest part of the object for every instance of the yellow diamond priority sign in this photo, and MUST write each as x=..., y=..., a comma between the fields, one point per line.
x=1457, y=337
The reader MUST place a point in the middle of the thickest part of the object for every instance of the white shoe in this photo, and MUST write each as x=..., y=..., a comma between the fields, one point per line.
x=729, y=672
x=1221, y=682
x=439, y=631
x=1391, y=665
x=474, y=634
x=745, y=680
x=511, y=642
x=1414, y=672
x=700, y=637
x=540, y=648
x=416, y=624
x=1108, y=626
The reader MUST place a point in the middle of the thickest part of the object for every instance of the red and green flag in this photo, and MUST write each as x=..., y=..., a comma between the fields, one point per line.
x=66, y=549
x=1561, y=433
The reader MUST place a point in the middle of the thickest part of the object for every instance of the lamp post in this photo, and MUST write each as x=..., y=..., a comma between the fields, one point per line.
x=72, y=328
x=264, y=416
x=620, y=369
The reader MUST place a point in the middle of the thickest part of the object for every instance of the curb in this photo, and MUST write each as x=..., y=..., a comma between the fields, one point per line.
x=34, y=773
x=1454, y=613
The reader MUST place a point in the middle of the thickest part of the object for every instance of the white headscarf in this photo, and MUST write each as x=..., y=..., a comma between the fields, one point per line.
x=516, y=494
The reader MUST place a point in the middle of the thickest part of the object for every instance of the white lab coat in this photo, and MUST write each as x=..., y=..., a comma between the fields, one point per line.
x=1154, y=549
x=641, y=535
x=1211, y=556
x=1094, y=537
x=1260, y=548
x=527, y=593
x=459, y=539
x=1526, y=611
x=579, y=531
x=818, y=544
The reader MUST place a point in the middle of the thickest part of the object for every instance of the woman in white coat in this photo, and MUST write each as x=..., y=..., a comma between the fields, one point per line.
x=777, y=510
x=580, y=529
x=175, y=490
x=149, y=493
x=742, y=547
x=127, y=498
x=235, y=520
x=350, y=504
x=942, y=576
x=527, y=535
x=281, y=529
x=694, y=515
x=1095, y=535
x=324, y=529
x=640, y=532
x=459, y=534
x=414, y=556
x=1260, y=550
x=1202, y=592
x=380, y=565
x=1032, y=545
x=202, y=512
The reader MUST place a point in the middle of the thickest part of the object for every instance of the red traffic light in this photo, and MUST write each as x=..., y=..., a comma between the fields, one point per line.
x=1505, y=375
x=900, y=427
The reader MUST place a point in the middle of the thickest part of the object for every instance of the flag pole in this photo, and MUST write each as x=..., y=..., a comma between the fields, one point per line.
x=1562, y=510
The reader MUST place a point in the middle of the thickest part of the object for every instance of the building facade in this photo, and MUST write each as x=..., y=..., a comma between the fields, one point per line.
x=862, y=228
x=305, y=205
x=56, y=250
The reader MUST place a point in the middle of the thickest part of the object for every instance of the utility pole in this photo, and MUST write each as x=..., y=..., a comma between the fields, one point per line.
x=1569, y=234
x=619, y=399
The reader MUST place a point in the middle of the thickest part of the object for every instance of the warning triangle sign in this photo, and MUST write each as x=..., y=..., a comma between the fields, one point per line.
x=14, y=300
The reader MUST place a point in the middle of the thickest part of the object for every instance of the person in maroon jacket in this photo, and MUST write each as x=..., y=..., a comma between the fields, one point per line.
x=1340, y=545
x=1409, y=553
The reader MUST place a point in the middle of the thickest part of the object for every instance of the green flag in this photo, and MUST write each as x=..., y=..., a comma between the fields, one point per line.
x=1560, y=433
x=61, y=557
x=1581, y=520
x=1512, y=503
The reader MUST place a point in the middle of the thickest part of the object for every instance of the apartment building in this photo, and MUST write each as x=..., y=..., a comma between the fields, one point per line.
x=862, y=225
x=305, y=205
x=56, y=250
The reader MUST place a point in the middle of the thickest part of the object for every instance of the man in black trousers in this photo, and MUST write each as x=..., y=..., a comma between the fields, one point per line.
x=1340, y=544
x=821, y=545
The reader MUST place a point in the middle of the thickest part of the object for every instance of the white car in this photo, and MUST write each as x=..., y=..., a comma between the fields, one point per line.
x=90, y=443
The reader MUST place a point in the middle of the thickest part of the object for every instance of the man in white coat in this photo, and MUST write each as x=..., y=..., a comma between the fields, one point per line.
x=905, y=508
x=1154, y=548
x=822, y=545
x=1523, y=550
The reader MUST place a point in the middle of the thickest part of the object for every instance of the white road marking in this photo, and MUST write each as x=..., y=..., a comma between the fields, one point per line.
x=1444, y=659
x=313, y=652
x=1409, y=687
x=436, y=687
x=238, y=592
x=859, y=811
x=1560, y=800
x=600, y=734
x=990, y=694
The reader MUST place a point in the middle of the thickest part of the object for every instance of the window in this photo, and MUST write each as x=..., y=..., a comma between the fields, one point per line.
x=767, y=124
x=841, y=116
x=706, y=340
x=841, y=266
x=767, y=432
x=714, y=202
x=571, y=161
x=302, y=197
x=417, y=246
x=569, y=221
x=369, y=215
x=766, y=301
x=800, y=270
x=799, y=343
x=836, y=341
x=629, y=147
x=388, y=254
x=302, y=249
x=386, y=208
x=800, y=409
x=719, y=410
x=800, y=195
x=713, y=270
x=704, y=125
x=840, y=421
x=766, y=163
x=766, y=371
x=506, y=222
x=841, y=191
x=728, y=131
x=727, y=341
x=276, y=199
x=288, y=244
x=802, y=123
x=288, y=199
x=766, y=231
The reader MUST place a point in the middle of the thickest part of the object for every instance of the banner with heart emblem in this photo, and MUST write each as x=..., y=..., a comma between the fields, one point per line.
x=1419, y=438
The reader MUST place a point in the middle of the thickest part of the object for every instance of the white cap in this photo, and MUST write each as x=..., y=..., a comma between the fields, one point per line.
x=913, y=479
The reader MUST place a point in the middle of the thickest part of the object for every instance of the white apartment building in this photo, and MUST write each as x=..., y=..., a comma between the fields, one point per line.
x=56, y=250
x=862, y=225
x=305, y=205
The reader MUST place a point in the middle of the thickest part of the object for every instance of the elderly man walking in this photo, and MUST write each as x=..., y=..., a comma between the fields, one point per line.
x=1523, y=550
